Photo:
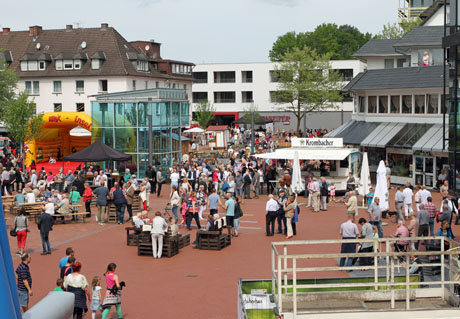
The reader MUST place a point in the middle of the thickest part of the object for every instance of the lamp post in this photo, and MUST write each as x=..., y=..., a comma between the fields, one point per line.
x=253, y=137
x=149, y=114
x=341, y=115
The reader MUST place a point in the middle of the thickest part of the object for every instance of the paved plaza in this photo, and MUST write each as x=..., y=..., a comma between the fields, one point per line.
x=194, y=283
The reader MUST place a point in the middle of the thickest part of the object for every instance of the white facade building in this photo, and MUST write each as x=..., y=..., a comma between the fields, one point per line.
x=233, y=87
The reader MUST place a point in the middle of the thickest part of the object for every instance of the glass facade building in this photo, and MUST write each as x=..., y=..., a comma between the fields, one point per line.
x=121, y=120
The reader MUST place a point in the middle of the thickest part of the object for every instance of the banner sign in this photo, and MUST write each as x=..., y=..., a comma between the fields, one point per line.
x=317, y=142
x=257, y=302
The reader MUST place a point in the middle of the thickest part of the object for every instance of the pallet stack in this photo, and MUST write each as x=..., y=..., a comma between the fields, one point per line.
x=170, y=248
x=111, y=213
x=214, y=240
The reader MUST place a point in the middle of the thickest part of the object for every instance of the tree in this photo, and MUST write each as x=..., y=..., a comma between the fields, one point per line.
x=247, y=114
x=204, y=113
x=21, y=121
x=397, y=31
x=328, y=38
x=306, y=83
x=8, y=84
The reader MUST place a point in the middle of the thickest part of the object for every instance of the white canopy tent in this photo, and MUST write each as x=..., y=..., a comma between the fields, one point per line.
x=326, y=154
x=194, y=130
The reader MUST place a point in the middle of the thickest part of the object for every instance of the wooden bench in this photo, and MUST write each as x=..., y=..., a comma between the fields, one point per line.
x=170, y=246
x=83, y=214
x=215, y=239
x=133, y=235
x=8, y=203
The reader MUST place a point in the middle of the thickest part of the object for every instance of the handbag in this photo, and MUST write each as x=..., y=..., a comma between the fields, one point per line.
x=13, y=232
x=111, y=300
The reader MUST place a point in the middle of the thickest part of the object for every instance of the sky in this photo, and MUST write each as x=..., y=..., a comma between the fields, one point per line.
x=203, y=31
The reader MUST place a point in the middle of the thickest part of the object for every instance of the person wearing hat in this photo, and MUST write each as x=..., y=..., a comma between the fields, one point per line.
x=315, y=189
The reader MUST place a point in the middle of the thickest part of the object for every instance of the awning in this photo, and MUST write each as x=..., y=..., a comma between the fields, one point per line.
x=387, y=133
x=356, y=132
x=374, y=134
x=409, y=135
x=432, y=140
x=334, y=133
x=330, y=154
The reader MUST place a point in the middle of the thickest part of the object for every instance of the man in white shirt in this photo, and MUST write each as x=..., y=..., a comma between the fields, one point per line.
x=271, y=209
x=408, y=195
x=174, y=178
x=49, y=207
x=424, y=194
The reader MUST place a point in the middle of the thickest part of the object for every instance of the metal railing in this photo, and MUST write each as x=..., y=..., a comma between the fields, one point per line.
x=286, y=269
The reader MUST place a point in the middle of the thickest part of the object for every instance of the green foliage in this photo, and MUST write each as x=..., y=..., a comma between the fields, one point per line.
x=397, y=31
x=307, y=83
x=8, y=84
x=20, y=119
x=204, y=113
x=340, y=42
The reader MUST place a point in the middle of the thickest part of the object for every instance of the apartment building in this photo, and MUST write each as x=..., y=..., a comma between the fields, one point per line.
x=400, y=101
x=233, y=88
x=61, y=68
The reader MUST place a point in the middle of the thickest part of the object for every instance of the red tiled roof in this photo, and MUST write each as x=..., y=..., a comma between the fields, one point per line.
x=56, y=42
x=217, y=128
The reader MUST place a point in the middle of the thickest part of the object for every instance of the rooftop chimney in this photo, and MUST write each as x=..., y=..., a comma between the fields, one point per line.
x=35, y=30
x=6, y=30
x=69, y=27
x=104, y=26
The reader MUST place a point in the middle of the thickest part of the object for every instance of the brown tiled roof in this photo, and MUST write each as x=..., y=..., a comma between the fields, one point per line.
x=65, y=43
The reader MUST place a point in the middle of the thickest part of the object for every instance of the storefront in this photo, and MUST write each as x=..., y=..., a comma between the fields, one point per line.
x=121, y=120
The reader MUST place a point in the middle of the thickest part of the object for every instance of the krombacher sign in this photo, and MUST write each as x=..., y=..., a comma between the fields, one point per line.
x=317, y=142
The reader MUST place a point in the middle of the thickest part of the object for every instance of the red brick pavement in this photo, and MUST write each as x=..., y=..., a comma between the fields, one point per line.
x=195, y=284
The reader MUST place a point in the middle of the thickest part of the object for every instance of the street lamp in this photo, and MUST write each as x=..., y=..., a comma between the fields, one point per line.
x=253, y=137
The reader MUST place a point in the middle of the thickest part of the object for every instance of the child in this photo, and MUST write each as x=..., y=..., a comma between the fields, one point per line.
x=95, y=296
x=184, y=210
x=332, y=191
x=370, y=197
x=59, y=285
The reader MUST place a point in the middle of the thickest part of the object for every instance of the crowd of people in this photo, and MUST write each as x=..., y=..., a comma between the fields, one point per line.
x=72, y=280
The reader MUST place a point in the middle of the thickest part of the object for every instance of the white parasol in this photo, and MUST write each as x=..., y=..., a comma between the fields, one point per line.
x=381, y=189
x=297, y=186
x=194, y=130
x=365, y=178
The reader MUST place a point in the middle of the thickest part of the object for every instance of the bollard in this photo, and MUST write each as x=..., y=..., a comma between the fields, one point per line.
x=47, y=307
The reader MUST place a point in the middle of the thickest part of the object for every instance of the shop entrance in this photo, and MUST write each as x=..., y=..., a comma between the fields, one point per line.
x=424, y=171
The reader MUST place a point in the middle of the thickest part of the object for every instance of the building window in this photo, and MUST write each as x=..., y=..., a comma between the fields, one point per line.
x=57, y=87
x=77, y=64
x=68, y=65
x=389, y=63
x=146, y=84
x=371, y=104
x=103, y=85
x=246, y=76
x=23, y=65
x=181, y=69
x=157, y=84
x=346, y=97
x=400, y=63
x=274, y=76
x=400, y=164
x=80, y=107
x=134, y=85
x=198, y=97
x=79, y=86
x=42, y=65
x=57, y=107
x=95, y=64
x=407, y=104
x=432, y=101
x=246, y=97
x=362, y=104
x=200, y=77
x=419, y=104
x=224, y=97
x=395, y=106
x=224, y=77
x=142, y=66
x=346, y=74
x=36, y=88
x=28, y=87
x=59, y=64
x=383, y=104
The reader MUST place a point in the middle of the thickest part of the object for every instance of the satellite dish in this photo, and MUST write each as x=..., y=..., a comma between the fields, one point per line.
x=83, y=45
x=38, y=46
x=154, y=55
x=47, y=47
x=147, y=47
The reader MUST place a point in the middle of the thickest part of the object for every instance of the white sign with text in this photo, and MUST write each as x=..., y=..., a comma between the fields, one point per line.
x=257, y=302
x=316, y=142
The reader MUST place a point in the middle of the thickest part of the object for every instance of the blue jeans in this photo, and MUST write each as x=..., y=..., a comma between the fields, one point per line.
x=45, y=242
x=121, y=213
x=347, y=248
x=174, y=210
x=379, y=227
x=281, y=218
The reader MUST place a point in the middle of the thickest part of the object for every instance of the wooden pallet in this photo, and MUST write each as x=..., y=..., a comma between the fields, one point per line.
x=170, y=249
x=183, y=240
x=213, y=240
x=112, y=214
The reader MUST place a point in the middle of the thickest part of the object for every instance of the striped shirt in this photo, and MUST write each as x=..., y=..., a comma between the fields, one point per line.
x=430, y=208
x=23, y=273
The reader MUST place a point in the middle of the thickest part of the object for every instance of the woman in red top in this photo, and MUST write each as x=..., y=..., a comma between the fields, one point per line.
x=192, y=213
x=87, y=196
x=111, y=280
